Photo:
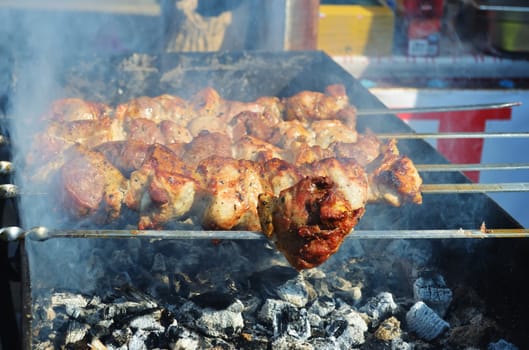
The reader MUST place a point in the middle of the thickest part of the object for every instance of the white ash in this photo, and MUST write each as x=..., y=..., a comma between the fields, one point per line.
x=322, y=306
x=432, y=290
x=380, y=307
x=222, y=323
x=294, y=291
x=424, y=322
x=502, y=344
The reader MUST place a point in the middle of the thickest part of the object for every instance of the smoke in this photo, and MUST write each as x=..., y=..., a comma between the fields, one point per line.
x=42, y=43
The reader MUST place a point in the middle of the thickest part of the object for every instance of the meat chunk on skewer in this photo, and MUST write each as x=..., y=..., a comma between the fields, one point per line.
x=393, y=178
x=308, y=221
x=232, y=189
x=161, y=191
x=92, y=185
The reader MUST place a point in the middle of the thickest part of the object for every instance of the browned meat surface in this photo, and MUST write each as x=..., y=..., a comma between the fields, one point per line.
x=207, y=144
x=258, y=125
x=92, y=185
x=233, y=187
x=252, y=148
x=393, y=178
x=280, y=174
x=332, y=130
x=307, y=221
x=161, y=190
x=127, y=156
x=349, y=178
x=312, y=105
x=365, y=150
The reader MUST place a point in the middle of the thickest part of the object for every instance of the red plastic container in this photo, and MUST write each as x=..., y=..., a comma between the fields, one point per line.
x=423, y=8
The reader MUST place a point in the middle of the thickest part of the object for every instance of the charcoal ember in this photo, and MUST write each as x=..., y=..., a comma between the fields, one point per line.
x=286, y=319
x=69, y=299
x=424, y=322
x=138, y=340
x=399, y=344
x=294, y=291
x=379, y=307
x=345, y=334
x=250, y=340
x=267, y=281
x=76, y=332
x=214, y=300
x=322, y=306
x=222, y=323
x=345, y=289
x=432, y=290
x=502, y=344
x=388, y=330
x=289, y=343
x=148, y=322
x=121, y=337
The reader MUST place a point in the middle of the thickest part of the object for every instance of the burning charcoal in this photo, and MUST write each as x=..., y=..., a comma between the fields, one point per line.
x=345, y=289
x=388, y=330
x=222, y=323
x=148, y=322
x=214, y=300
x=288, y=343
x=322, y=306
x=69, y=299
x=502, y=344
x=346, y=334
x=294, y=291
x=379, y=307
x=76, y=332
x=268, y=280
x=121, y=336
x=285, y=319
x=425, y=322
x=433, y=292
x=399, y=344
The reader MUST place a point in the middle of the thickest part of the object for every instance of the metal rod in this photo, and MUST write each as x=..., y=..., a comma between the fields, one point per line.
x=475, y=187
x=41, y=233
x=12, y=191
x=470, y=167
x=415, y=110
x=453, y=135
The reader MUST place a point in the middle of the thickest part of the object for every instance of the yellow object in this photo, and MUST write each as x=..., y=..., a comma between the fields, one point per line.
x=356, y=30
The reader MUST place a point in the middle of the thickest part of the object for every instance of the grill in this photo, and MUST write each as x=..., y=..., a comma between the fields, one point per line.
x=83, y=272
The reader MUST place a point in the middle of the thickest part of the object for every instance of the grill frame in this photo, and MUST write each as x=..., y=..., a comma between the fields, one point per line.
x=241, y=76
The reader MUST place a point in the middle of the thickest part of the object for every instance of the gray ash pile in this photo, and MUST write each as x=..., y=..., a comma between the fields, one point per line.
x=175, y=294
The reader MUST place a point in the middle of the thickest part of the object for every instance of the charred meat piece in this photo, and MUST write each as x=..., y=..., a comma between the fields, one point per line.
x=207, y=144
x=253, y=124
x=365, y=150
x=161, y=190
x=308, y=221
x=232, y=189
x=349, y=178
x=127, y=156
x=280, y=174
x=92, y=185
x=313, y=105
x=393, y=178
x=252, y=148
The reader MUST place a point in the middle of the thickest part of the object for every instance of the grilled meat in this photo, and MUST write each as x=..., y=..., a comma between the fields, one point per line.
x=233, y=187
x=307, y=221
x=92, y=185
x=293, y=167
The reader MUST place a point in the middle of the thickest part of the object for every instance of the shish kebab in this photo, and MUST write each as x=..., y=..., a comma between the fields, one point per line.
x=322, y=207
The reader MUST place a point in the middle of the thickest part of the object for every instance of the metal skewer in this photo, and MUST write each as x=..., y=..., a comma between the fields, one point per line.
x=475, y=187
x=453, y=135
x=414, y=110
x=42, y=233
x=470, y=167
